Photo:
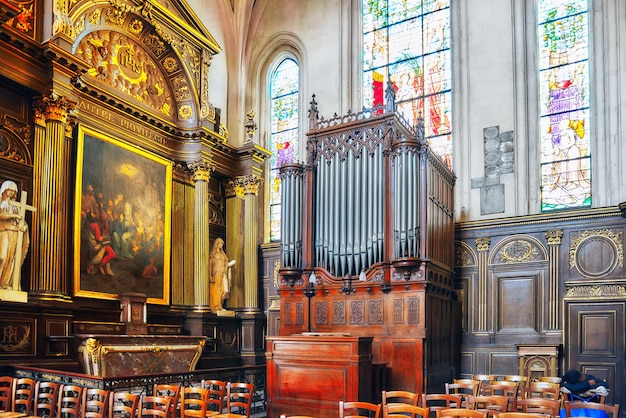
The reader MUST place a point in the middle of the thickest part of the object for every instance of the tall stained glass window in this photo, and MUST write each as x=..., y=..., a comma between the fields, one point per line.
x=563, y=45
x=284, y=99
x=407, y=42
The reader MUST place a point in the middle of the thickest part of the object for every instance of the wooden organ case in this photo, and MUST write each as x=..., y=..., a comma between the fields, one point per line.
x=368, y=245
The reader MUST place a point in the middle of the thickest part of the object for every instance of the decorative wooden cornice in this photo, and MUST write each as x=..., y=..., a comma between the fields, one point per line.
x=7, y=11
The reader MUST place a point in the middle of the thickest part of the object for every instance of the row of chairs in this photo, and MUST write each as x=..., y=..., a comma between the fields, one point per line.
x=488, y=406
x=25, y=397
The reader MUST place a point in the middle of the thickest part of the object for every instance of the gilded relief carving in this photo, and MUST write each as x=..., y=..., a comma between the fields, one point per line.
x=585, y=245
x=518, y=251
x=10, y=148
x=119, y=62
x=15, y=339
x=603, y=291
x=464, y=255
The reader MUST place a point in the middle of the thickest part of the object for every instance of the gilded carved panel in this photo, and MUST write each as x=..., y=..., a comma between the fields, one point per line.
x=586, y=248
x=518, y=249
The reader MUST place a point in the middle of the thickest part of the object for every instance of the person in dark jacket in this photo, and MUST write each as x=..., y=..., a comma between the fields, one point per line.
x=577, y=383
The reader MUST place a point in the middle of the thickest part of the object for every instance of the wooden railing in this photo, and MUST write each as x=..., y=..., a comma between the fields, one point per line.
x=143, y=384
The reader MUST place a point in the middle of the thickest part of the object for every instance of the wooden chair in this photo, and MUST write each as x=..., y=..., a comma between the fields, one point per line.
x=6, y=392
x=46, y=399
x=537, y=391
x=460, y=413
x=612, y=411
x=94, y=403
x=22, y=396
x=518, y=415
x=70, y=397
x=390, y=397
x=238, y=399
x=553, y=379
x=216, y=396
x=359, y=409
x=155, y=406
x=543, y=406
x=193, y=402
x=521, y=380
x=123, y=405
x=436, y=401
x=503, y=388
x=484, y=379
x=171, y=391
x=463, y=389
x=491, y=405
x=402, y=410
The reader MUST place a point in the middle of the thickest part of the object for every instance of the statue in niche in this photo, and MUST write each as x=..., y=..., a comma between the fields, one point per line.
x=14, y=239
x=220, y=276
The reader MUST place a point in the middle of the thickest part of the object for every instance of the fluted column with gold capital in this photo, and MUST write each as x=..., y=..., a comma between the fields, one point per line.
x=50, y=225
x=201, y=174
x=553, y=237
x=251, y=185
x=482, y=246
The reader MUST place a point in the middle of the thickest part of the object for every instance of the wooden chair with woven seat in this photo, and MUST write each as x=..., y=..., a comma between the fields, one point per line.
x=402, y=410
x=155, y=406
x=359, y=409
x=435, y=401
x=123, y=405
x=22, y=396
x=238, y=400
x=612, y=411
x=46, y=399
x=463, y=389
x=95, y=403
x=6, y=392
x=390, y=397
x=539, y=406
x=70, y=397
x=171, y=391
x=460, y=413
x=490, y=404
x=216, y=396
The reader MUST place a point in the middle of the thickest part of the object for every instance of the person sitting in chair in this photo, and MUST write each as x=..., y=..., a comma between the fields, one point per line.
x=585, y=385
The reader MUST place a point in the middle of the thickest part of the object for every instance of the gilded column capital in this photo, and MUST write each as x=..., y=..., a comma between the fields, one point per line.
x=53, y=108
x=182, y=173
x=483, y=243
x=201, y=170
x=234, y=188
x=554, y=236
x=250, y=183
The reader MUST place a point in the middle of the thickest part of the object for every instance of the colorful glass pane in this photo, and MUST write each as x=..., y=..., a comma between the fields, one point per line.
x=284, y=100
x=410, y=46
x=563, y=44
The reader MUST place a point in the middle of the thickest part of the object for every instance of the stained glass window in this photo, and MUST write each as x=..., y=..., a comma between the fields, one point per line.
x=284, y=99
x=408, y=43
x=563, y=44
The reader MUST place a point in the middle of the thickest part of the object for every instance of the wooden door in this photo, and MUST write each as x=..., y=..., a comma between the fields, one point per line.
x=595, y=343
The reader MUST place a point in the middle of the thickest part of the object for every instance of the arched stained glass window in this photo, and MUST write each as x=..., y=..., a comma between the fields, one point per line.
x=408, y=43
x=284, y=99
x=563, y=44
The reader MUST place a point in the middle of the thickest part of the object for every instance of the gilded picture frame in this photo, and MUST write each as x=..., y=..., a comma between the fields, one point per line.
x=122, y=219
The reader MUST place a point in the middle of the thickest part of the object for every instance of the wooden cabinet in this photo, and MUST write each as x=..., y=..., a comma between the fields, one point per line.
x=310, y=374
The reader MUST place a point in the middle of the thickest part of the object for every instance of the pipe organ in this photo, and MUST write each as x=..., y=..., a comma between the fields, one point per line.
x=368, y=243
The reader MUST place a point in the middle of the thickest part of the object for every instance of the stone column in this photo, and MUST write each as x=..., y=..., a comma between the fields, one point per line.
x=482, y=246
x=554, y=242
x=50, y=225
x=201, y=174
